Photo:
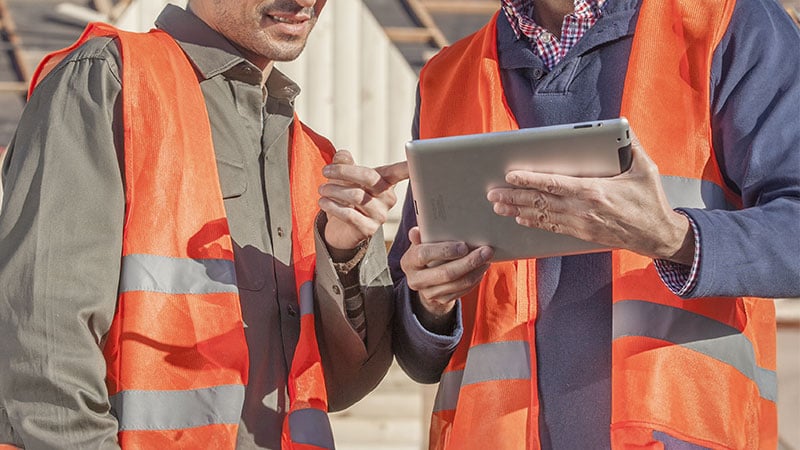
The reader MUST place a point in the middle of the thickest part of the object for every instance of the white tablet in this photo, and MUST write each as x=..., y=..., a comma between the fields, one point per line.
x=450, y=177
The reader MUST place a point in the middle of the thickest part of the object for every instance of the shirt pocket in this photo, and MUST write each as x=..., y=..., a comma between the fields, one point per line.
x=232, y=178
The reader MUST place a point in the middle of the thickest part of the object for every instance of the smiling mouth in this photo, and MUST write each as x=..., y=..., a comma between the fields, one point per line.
x=287, y=19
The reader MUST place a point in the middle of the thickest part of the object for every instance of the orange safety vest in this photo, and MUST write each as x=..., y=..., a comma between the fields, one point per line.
x=702, y=370
x=176, y=351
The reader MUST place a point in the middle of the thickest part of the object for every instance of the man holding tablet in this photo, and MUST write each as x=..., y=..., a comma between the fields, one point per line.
x=659, y=344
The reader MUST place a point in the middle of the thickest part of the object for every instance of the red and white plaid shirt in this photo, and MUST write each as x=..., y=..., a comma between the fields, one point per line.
x=520, y=14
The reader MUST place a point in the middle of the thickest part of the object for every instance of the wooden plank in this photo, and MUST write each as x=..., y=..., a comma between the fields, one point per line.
x=10, y=31
x=425, y=19
x=794, y=13
x=103, y=6
x=116, y=11
x=409, y=35
x=13, y=86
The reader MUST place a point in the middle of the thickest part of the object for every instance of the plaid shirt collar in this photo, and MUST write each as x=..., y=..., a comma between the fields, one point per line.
x=551, y=50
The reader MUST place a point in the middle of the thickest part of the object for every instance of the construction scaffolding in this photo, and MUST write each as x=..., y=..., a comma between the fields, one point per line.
x=12, y=46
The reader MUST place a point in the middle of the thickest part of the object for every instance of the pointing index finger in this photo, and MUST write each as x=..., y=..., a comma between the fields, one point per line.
x=394, y=173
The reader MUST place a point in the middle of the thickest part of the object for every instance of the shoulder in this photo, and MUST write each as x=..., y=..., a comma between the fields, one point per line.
x=96, y=54
x=761, y=18
x=456, y=52
x=760, y=33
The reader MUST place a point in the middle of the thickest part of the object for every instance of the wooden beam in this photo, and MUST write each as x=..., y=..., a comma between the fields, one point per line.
x=794, y=13
x=103, y=6
x=10, y=31
x=13, y=86
x=461, y=6
x=117, y=10
x=427, y=21
x=408, y=35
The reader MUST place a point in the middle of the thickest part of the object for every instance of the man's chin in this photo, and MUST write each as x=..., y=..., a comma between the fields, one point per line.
x=285, y=54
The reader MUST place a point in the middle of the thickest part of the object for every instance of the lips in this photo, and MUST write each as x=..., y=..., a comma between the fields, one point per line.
x=292, y=20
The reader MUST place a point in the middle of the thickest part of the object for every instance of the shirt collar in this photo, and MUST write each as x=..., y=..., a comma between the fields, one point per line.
x=618, y=21
x=520, y=14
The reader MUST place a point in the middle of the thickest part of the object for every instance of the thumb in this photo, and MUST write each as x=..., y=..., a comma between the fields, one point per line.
x=414, y=236
x=343, y=157
x=393, y=173
x=641, y=159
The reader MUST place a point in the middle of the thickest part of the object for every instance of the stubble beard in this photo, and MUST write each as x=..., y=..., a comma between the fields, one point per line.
x=263, y=42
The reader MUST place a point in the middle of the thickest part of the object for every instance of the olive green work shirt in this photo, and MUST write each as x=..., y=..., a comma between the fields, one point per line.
x=60, y=246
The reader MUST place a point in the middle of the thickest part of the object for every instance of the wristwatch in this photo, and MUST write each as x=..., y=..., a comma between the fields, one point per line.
x=343, y=268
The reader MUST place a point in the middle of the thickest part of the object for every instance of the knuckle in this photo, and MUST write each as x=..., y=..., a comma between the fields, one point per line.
x=543, y=217
x=381, y=216
x=552, y=186
x=475, y=261
x=540, y=201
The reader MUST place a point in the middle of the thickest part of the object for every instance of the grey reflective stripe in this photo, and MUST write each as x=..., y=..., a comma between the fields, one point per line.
x=496, y=361
x=693, y=331
x=447, y=394
x=311, y=427
x=176, y=410
x=306, y=298
x=694, y=193
x=177, y=275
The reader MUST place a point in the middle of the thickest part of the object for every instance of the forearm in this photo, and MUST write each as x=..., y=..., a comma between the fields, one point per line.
x=422, y=342
x=748, y=252
x=755, y=98
x=421, y=353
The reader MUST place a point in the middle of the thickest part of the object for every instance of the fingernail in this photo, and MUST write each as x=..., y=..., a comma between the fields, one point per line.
x=326, y=170
x=486, y=253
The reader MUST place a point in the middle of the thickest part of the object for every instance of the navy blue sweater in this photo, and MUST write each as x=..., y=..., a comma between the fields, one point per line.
x=755, y=88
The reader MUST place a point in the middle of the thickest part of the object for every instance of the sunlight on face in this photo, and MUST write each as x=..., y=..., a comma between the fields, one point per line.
x=263, y=30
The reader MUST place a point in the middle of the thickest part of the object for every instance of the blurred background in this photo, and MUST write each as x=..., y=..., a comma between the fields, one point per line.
x=358, y=75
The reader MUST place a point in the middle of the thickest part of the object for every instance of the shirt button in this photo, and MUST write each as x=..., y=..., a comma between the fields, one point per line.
x=336, y=290
x=291, y=310
x=538, y=73
x=280, y=232
x=546, y=38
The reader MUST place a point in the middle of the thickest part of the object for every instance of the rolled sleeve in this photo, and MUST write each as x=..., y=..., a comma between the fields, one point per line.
x=353, y=368
x=423, y=355
x=680, y=278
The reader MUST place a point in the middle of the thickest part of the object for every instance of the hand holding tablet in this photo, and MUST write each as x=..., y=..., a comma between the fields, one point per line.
x=451, y=176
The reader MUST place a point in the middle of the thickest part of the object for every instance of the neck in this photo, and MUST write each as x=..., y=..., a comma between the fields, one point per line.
x=549, y=14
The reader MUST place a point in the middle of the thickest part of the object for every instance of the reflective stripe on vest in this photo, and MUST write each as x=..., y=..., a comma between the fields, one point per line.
x=176, y=353
x=510, y=360
x=497, y=361
x=173, y=410
x=696, y=332
x=669, y=377
x=308, y=426
x=166, y=275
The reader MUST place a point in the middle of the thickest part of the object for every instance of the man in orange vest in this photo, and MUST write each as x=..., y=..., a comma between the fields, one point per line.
x=659, y=344
x=183, y=263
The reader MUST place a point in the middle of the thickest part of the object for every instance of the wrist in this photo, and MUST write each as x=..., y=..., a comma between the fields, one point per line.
x=679, y=247
x=438, y=318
